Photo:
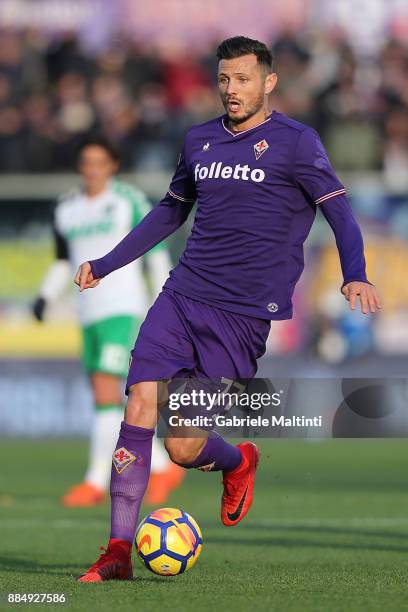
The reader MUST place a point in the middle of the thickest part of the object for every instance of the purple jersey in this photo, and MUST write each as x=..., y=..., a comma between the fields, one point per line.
x=257, y=192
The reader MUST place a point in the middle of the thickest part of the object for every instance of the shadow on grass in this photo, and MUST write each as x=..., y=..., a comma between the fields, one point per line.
x=286, y=536
x=246, y=537
x=332, y=530
x=10, y=563
x=30, y=566
x=299, y=543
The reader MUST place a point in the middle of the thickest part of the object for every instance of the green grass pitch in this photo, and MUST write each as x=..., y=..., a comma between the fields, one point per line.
x=328, y=531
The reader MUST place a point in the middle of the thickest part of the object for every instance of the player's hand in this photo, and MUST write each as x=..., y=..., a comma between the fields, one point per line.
x=84, y=277
x=38, y=308
x=366, y=293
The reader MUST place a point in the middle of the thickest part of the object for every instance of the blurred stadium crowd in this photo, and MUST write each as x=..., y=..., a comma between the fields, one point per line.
x=53, y=95
x=145, y=85
x=142, y=73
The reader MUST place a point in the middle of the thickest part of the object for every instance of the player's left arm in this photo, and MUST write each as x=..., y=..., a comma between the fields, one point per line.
x=349, y=240
x=315, y=175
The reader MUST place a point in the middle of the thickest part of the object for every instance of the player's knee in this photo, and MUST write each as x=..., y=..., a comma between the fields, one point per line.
x=141, y=407
x=183, y=450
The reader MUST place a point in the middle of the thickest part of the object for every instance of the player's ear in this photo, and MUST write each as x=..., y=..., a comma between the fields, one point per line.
x=270, y=82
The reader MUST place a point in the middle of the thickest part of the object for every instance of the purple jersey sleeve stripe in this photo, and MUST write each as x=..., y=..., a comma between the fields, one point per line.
x=330, y=195
x=313, y=170
x=174, y=195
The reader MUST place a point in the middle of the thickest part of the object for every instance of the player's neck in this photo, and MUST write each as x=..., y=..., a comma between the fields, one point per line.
x=256, y=119
x=95, y=191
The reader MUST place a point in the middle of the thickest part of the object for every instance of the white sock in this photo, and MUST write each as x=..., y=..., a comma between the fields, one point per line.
x=160, y=458
x=104, y=435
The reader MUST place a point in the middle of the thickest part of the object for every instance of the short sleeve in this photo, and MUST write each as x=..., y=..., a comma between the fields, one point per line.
x=313, y=170
x=182, y=186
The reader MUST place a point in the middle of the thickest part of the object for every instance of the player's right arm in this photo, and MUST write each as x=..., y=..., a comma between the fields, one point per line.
x=164, y=219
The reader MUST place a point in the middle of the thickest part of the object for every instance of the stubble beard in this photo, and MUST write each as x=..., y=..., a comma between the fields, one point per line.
x=254, y=108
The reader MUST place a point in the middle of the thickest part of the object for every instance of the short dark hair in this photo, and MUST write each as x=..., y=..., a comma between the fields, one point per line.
x=241, y=45
x=104, y=143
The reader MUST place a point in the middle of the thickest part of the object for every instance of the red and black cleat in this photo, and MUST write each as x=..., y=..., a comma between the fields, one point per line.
x=239, y=486
x=113, y=564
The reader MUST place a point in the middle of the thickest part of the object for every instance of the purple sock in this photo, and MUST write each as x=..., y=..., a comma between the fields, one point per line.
x=216, y=455
x=130, y=475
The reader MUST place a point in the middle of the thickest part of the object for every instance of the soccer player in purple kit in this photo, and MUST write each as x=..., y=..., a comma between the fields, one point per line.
x=258, y=178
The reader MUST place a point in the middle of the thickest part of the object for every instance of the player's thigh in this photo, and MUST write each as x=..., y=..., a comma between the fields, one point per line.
x=163, y=348
x=229, y=344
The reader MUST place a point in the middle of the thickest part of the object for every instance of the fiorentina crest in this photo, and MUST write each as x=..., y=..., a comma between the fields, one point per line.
x=260, y=148
x=122, y=458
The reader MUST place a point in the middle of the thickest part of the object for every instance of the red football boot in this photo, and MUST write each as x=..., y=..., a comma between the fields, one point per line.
x=239, y=486
x=113, y=564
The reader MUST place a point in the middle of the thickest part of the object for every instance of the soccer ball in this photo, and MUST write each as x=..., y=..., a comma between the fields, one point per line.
x=168, y=541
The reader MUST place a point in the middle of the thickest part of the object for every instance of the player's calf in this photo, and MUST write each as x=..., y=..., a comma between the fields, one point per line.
x=184, y=451
x=207, y=454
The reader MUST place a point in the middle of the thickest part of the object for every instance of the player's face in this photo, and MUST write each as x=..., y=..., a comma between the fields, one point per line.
x=243, y=85
x=96, y=167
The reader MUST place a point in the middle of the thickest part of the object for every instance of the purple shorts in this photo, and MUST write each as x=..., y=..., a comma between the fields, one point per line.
x=182, y=337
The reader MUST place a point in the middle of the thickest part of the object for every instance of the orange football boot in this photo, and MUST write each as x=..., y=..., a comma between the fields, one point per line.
x=113, y=564
x=161, y=484
x=83, y=495
x=239, y=486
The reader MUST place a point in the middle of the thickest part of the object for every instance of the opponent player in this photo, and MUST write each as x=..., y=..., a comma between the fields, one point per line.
x=258, y=178
x=92, y=220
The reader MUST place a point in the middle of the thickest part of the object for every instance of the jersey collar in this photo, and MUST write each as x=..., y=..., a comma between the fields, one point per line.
x=235, y=134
